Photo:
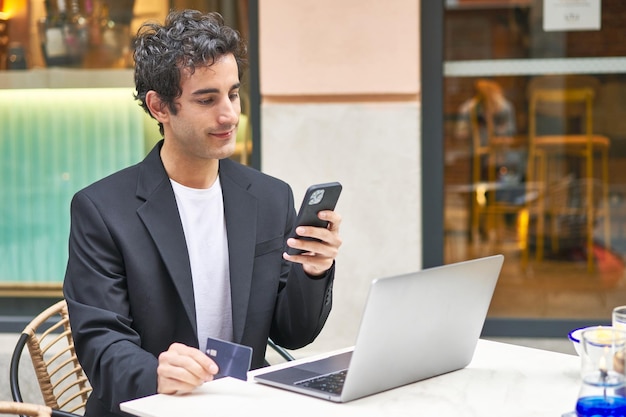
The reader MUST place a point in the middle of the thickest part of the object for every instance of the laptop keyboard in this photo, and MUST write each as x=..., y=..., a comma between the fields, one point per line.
x=331, y=383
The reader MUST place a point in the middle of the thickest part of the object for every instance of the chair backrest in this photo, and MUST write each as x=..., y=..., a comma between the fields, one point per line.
x=556, y=109
x=31, y=410
x=493, y=129
x=24, y=409
x=61, y=379
x=579, y=99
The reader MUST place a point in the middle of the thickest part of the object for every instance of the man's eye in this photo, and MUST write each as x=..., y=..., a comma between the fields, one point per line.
x=234, y=96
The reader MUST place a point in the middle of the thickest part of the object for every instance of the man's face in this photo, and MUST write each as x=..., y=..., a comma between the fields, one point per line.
x=205, y=126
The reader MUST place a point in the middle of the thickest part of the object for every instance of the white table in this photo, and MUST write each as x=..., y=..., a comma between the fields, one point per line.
x=502, y=380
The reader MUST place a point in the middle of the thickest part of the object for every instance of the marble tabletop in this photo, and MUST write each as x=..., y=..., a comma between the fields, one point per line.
x=502, y=380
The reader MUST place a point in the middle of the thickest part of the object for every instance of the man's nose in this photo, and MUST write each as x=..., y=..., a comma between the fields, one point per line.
x=229, y=113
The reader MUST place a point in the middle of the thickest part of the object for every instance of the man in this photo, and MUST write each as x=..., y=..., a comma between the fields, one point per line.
x=188, y=244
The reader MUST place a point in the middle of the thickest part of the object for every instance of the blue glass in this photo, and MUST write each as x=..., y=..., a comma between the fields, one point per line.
x=601, y=406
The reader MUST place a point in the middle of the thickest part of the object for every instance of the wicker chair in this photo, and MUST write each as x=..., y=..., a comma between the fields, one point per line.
x=63, y=384
x=563, y=141
x=25, y=409
x=30, y=410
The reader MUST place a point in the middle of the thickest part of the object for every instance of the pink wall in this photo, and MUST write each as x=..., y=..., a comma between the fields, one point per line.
x=339, y=47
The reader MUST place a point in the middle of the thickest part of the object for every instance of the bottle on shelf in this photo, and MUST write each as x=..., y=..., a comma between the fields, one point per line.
x=64, y=33
x=77, y=31
x=51, y=28
x=87, y=33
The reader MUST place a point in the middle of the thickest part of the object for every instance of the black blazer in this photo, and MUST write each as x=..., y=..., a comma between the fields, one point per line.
x=128, y=280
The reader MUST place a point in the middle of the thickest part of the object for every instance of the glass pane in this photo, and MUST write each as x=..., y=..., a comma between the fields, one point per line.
x=535, y=146
x=55, y=141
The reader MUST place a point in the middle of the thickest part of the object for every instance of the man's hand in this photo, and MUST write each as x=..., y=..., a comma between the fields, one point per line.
x=318, y=256
x=183, y=368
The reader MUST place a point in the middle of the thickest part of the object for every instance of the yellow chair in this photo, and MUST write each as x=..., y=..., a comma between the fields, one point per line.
x=61, y=379
x=243, y=144
x=489, y=150
x=552, y=159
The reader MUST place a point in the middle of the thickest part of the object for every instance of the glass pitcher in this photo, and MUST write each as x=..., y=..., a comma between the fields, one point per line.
x=603, y=389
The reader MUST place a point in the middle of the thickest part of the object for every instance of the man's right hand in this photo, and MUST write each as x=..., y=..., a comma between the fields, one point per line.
x=182, y=368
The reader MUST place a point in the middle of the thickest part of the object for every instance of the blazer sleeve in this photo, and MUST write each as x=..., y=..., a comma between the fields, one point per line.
x=303, y=306
x=95, y=290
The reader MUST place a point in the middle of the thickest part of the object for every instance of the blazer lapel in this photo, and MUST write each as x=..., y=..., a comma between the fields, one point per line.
x=160, y=215
x=240, y=209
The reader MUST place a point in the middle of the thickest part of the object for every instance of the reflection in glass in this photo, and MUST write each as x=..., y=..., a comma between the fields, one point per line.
x=558, y=211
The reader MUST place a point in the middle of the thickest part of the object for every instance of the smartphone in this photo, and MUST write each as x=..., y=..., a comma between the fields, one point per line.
x=317, y=198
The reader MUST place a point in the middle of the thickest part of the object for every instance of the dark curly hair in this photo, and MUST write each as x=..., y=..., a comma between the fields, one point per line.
x=188, y=39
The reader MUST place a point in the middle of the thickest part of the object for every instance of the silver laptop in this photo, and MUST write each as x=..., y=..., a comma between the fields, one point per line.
x=415, y=326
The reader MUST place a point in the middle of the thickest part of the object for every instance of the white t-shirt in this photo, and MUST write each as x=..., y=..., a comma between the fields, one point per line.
x=202, y=214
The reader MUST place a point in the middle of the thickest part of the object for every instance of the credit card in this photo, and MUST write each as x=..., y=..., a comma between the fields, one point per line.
x=232, y=359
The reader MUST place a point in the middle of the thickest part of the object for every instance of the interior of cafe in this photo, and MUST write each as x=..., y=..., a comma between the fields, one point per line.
x=535, y=151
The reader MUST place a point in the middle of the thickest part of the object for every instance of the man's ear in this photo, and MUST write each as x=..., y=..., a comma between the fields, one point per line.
x=157, y=107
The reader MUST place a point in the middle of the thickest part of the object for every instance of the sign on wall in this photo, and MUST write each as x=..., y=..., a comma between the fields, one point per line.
x=565, y=15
